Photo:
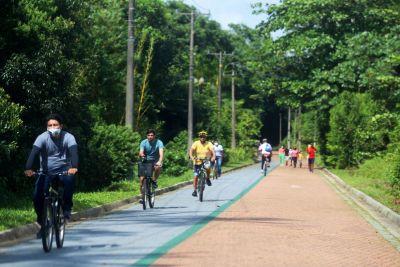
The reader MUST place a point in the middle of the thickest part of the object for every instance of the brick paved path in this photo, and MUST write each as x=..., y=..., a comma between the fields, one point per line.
x=291, y=218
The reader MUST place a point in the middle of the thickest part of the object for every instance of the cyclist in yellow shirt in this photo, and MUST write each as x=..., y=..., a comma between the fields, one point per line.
x=201, y=149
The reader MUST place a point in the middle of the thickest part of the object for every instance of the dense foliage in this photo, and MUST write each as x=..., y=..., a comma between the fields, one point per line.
x=335, y=64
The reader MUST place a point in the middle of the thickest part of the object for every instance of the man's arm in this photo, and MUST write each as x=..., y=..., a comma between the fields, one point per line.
x=191, y=153
x=73, y=150
x=212, y=153
x=160, y=160
x=29, y=163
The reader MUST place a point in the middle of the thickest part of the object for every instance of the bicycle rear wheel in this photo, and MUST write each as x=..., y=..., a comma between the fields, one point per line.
x=151, y=193
x=265, y=168
x=60, y=225
x=201, y=185
x=144, y=193
x=47, y=225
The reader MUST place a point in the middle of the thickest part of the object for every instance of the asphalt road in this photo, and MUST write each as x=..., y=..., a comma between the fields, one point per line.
x=134, y=236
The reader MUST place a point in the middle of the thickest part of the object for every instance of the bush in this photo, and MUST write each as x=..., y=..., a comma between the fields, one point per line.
x=349, y=141
x=395, y=174
x=176, y=155
x=236, y=155
x=112, y=154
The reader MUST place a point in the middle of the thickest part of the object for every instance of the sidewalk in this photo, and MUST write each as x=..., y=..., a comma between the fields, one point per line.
x=291, y=218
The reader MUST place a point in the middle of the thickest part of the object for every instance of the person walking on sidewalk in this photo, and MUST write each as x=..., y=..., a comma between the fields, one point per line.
x=311, y=150
x=281, y=152
x=300, y=159
x=219, y=156
x=294, y=156
x=286, y=156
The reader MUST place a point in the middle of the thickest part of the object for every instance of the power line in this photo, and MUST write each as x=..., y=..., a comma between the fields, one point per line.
x=199, y=6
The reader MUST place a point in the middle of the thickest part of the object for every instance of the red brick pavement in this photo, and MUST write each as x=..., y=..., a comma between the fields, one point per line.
x=291, y=218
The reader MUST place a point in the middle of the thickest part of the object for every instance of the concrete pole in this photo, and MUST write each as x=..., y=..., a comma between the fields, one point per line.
x=129, y=105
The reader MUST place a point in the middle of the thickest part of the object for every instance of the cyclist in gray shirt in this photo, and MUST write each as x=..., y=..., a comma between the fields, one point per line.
x=58, y=152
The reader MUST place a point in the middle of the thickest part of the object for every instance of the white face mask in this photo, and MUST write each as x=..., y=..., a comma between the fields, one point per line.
x=54, y=132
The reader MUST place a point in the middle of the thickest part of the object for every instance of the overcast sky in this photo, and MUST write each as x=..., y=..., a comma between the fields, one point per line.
x=230, y=11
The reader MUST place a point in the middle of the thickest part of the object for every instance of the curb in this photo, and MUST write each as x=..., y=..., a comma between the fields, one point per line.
x=391, y=217
x=28, y=231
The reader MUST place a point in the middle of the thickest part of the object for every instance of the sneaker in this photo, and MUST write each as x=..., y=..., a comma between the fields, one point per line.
x=208, y=182
x=67, y=215
x=194, y=193
x=39, y=234
x=155, y=184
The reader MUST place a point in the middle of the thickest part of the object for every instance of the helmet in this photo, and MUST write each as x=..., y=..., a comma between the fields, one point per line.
x=202, y=133
x=264, y=140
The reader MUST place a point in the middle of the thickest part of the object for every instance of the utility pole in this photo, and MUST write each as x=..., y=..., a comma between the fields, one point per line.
x=233, y=119
x=191, y=78
x=190, y=94
x=280, y=127
x=299, y=129
x=130, y=66
x=233, y=104
x=220, y=56
x=288, y=129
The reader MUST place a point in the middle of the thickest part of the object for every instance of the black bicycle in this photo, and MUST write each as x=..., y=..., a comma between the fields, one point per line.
x=148, y=189
x=202, y=176
x=53, y=221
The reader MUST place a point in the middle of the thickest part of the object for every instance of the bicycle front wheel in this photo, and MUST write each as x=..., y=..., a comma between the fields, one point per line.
x=201, y=185
x=151, y=193
x=60, y=225
x=47, y=225
x=265, y=168
x=144, y=193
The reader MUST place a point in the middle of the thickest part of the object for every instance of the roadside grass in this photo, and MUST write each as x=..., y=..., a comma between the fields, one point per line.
x=373, y=179
x=17, y=212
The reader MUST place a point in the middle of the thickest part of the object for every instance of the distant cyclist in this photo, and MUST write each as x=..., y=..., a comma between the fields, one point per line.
x=266, y=152
x=201, y=149
x=152, y=150
x=219, y=156
x=58, y=153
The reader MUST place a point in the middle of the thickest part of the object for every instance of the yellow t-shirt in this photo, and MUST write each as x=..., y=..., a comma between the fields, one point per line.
x=202, y=150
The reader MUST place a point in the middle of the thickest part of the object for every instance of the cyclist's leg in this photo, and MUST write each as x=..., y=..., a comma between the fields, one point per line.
x=157, y=171
x=208, y=181
x=69, y=184
x=196, y=169
x=38, y=196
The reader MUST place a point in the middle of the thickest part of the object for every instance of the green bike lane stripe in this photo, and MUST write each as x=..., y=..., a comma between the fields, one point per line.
x=162, y=250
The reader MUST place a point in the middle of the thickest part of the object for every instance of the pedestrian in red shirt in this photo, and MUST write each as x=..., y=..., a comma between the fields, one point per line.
x=311, y=157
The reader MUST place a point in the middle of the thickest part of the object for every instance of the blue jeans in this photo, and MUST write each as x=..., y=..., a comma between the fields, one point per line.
x=42, y=185
x=218, y=161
